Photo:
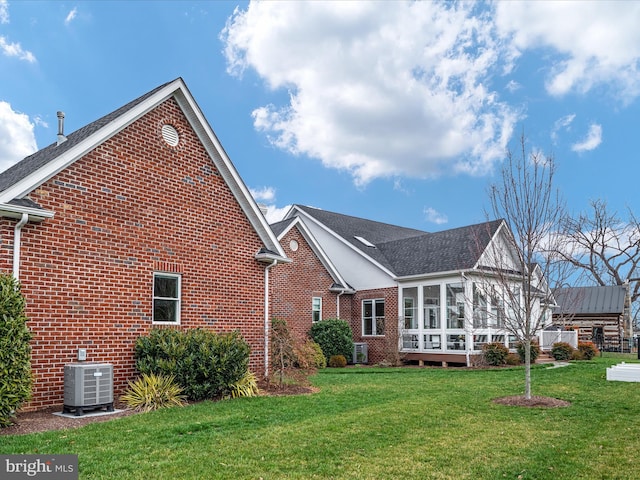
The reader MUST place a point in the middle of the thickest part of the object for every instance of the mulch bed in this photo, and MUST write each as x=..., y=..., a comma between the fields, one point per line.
x=45, y=420
x=534, y=401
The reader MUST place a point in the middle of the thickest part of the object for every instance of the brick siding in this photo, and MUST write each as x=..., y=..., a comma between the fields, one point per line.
x=132, y=206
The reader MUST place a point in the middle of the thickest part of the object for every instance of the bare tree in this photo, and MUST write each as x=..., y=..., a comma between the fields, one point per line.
x=606, y=249
x=530, y=205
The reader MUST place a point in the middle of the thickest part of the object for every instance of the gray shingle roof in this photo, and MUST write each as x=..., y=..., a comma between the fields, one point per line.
x=591, y=300
x=42, y=157
x=407, y=251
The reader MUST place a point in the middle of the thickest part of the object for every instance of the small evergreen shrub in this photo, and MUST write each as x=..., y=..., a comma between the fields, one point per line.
x=334, y=337
x=205, y=364
x=151, y=392
x=495, y=353
x=561, y=351
x=577, y=355
x=337, y=361
x=512, y=359
x=15, y=350
x=535, y=351
x=588, y=350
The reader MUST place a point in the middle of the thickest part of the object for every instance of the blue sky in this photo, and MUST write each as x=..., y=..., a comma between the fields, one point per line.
x=397, y=112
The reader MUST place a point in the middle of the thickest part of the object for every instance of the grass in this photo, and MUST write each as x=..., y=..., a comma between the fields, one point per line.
x=370, y=423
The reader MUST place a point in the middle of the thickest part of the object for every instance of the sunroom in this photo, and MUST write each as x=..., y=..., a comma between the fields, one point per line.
x=448, y=320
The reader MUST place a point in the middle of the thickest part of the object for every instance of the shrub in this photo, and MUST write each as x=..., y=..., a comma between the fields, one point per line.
x=495, y=353
x=334, y=337
x=577, y=355
x=535, y=351
x=15, y=351
x=205, y=364
x=588, y=350
x=561, y=351
x=247, y=386
x=309, y=355
x=151, y=392
x=283, y=355
x=513, y=359
x=337, y=361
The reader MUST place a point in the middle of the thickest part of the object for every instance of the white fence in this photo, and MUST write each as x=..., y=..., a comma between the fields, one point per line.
x=549, y=337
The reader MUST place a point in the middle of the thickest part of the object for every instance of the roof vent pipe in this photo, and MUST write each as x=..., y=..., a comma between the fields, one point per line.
x=61, y=137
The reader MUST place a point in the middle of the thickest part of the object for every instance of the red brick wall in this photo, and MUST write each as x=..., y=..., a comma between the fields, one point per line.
x=132, y=206
x=378, y=346
x=294, y=285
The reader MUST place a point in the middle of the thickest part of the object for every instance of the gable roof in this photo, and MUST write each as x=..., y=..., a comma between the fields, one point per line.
x=31, y=172
x=404, y=251
x=591, y=300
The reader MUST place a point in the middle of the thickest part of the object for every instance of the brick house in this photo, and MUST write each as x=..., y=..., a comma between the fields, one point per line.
x=135, y=220
x=430, y=296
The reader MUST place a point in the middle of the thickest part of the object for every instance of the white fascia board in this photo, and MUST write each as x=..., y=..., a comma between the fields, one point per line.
x=38, y=177
x=317, y=249
x=15, y=211
x=344, y=241
x=430, y=276
x=227, y=170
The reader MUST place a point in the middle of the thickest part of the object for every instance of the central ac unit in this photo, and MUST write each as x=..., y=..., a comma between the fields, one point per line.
x=360, y=353
x=88, y=386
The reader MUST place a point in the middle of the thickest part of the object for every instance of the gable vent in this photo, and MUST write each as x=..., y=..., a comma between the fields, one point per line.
x=170, y=135
x=364, y=241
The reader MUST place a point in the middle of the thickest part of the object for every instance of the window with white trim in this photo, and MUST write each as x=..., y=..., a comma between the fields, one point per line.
x=373, y=317
x=166, y=297
x=316, y=309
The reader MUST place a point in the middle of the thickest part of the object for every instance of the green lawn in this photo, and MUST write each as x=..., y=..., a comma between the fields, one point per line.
x=376, y=424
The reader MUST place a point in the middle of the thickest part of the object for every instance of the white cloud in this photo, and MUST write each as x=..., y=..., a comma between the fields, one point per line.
x=377, y=88
x=275, y=214
x=4, y=11
x=16, y=136
x=71, y=16
x=563, y=123
x=599, y=42
x=15, y=50
x=434, y=216
x=263, y=194
x=592, y=140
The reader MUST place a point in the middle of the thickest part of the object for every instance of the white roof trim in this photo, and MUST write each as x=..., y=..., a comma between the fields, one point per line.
x=296, y=211
x=317, y=249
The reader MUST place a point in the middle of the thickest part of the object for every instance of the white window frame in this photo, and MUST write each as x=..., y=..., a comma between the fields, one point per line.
x=177, y=299
x=316, y=302
x=374, y=332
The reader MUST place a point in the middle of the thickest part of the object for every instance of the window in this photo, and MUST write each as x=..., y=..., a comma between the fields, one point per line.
x=410, y=342
x=456, y=342
x=479, y=341
x=455, y=305
x=479, y=307
x=166, y=297
x=409, y=300
x=316, y=309
x=432, y=342
x=373, y=317
x=431, y=306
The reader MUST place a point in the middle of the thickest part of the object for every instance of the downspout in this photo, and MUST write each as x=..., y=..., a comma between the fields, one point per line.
x=338, y=304
x=16, y=244
x=266, y=317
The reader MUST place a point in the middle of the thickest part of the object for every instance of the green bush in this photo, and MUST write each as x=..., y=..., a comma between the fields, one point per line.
x=513, y=359
x=151, y=392
x=495, y=353
x=561, y=351
x=588, y=350
x=535, y=351
x=337, y=361
x=205, y=364
x=15, y=351
x=334, y=337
